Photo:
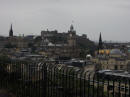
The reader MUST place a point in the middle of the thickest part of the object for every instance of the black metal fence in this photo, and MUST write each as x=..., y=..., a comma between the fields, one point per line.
x=47, y=79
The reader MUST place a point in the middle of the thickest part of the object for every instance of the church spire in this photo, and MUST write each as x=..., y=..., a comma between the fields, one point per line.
x=100, y=45
x=11, y=31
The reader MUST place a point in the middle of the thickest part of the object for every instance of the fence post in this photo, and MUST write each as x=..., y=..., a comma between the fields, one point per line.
x=44, y=80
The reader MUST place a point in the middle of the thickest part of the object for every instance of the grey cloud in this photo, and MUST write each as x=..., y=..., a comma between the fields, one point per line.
x=111, y=17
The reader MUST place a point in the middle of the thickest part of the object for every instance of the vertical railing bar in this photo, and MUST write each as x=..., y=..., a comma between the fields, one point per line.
x=63, y=82
x=48, y=88
x=58, y=82
x=93, y=84
x=69, y=82
x=23, y=80
x=16, y=79
x=125, y=87
x=29, y=79
x=113, y=87
x=81, y=88
x=51, y=77
x=119, y=88
x=85, y=84
x=66, y=83
x=89, y=85
x=98, y=85
x=69, y=74
x=20, y=79
x=108, y=86
x=76, y=85
x=39, y=80
x=103, y=86
x=54, y=81
x=42, y=80
x=129, y=86
x=5, y=78
x=73, y=79
x=34, y=83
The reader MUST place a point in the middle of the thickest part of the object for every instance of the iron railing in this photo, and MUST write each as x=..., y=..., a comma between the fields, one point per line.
x=47, y=79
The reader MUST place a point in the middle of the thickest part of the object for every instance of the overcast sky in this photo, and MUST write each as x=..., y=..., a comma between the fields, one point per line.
x=111, y=17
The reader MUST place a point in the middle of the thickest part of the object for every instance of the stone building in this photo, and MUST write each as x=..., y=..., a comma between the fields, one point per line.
x=18, y=42
x=15, y=41
x=112, y=63
x=3, y=41
x=112, y=59
x=60, y=44
x=48, y=34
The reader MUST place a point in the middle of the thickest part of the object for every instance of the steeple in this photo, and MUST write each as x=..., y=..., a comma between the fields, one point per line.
x=100, y=45
x=11, y=31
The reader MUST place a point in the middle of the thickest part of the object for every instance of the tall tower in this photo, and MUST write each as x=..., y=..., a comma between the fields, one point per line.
x=11, y=32
x=100, y=45
x=72, y=37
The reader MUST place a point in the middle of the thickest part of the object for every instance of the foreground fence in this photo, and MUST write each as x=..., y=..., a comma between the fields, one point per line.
x=45, y=79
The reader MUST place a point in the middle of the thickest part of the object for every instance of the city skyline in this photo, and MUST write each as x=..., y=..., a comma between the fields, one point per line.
x=90, y=17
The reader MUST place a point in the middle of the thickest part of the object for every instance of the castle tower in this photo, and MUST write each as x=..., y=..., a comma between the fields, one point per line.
x=72, y=37
x=11, y=32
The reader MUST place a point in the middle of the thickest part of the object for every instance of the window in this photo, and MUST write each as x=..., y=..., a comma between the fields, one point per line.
x=116, y=67
x=121, y=66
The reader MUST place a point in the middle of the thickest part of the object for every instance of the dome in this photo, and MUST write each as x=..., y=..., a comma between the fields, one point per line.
x=107, y=52
x=115, y=52
x=104, y=51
